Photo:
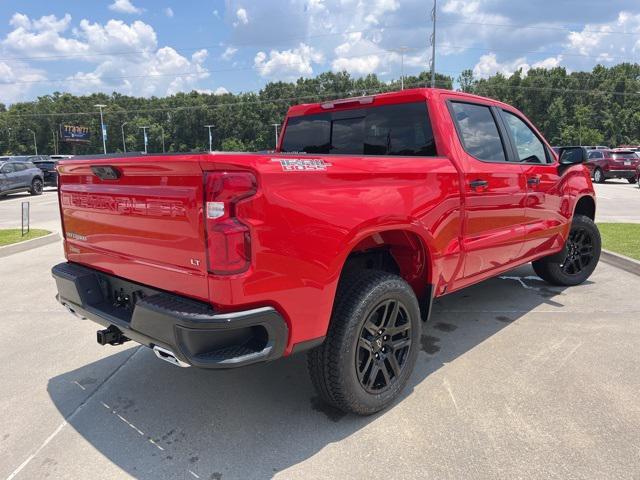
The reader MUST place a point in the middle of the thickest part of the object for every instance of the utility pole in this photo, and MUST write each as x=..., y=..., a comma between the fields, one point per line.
x=210, y=137
x=433, y=45
x=146, y=139
x=35, y=144
x=9, y=141
x=124, y=141
x=104, y=130
x=402, y=51
x=276, y=125
x=162, y=133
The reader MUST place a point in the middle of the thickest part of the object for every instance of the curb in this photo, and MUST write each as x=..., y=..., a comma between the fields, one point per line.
x=622, y=262
x=29, y=244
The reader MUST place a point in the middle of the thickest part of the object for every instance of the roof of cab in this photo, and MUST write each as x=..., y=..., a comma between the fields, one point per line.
x=389, y=98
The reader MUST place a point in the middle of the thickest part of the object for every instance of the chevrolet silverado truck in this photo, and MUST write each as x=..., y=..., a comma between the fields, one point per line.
x=335, y=244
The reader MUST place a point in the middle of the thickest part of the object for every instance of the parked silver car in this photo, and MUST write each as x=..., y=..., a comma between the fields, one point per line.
x=20, y=176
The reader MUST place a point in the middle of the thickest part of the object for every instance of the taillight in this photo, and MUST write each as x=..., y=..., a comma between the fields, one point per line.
x=228, y=239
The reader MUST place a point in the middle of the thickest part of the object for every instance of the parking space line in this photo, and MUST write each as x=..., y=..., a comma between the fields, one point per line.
x=194, y=474
x=82, y=387
x=72, y=415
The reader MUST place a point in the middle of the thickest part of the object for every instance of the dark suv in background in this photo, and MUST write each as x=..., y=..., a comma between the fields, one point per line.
x=20, y=176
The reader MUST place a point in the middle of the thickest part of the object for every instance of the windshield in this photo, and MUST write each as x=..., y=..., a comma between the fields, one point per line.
x=621, y=155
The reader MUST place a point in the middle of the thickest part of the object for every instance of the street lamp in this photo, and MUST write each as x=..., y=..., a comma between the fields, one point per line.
x=35, y=144
x=124, y=143
x=104, y=131
x=402, y=51
x=210, y=138
x=276, y=125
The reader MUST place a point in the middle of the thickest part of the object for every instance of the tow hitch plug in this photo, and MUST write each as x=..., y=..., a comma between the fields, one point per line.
x=111, y=336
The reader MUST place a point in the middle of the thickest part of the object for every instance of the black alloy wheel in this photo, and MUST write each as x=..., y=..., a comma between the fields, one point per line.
x=580, y=251
x=383, y=346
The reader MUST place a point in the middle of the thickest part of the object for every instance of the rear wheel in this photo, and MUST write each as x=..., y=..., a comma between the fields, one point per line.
x=36, y=187
x=598, y=176
x=582, y=253
x=372, y=343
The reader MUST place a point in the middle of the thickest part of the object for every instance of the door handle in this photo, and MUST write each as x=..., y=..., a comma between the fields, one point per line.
x=475, y=184
x=533, y=181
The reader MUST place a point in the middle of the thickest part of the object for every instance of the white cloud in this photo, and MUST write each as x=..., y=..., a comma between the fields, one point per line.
x=16, y=79
x=217, y=91
x=168, y=12
x=124, y=6
x=146, y=69
x=242, y=17
x=489, y=65
x=229, y=53
x=614, y=41
x=287, y=64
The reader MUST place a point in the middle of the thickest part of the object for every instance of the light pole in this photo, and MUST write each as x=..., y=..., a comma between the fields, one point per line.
x=210, y=138
x=35, y=144
x=162, y=134
x=9, y=141
x=146, y=140
x=104, y=130
x=402, y=51
x=276, y=125
x=124, y=142
x=55, y=142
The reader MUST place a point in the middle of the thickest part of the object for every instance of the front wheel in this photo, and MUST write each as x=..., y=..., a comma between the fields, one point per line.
x=632, y=180
x=372, y=343
x=581, y=256
x=36, y=187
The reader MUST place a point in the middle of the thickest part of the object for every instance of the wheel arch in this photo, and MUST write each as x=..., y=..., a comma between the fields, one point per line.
x=585, y=205
x=399, y=250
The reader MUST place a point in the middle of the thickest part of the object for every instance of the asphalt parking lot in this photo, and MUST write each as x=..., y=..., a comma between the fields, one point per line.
x=516, y=379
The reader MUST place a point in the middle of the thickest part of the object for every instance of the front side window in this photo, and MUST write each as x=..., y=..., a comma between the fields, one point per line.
x=529, y=147
x=478, y=131
x=20, y=167
x=402, y=129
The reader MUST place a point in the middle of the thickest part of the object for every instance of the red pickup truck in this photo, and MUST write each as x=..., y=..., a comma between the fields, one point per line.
x=335, y=244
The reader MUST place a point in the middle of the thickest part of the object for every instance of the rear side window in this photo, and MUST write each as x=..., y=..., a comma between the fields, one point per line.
x=478, y=131
x=402, y=129
x=7, y=168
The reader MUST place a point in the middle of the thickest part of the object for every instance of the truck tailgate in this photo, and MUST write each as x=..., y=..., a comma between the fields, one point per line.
x=139, y=218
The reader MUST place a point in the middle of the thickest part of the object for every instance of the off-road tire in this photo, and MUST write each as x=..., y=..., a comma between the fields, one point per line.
x=333, y=366
x=583, y=249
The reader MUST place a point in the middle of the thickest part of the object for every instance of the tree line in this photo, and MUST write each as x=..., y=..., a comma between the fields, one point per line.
x=570, y=108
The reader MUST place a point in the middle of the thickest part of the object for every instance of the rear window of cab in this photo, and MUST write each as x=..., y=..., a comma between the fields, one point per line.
x=401, y=129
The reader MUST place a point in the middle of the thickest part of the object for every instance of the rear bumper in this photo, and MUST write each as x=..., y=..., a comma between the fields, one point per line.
x=195, y=333
x=620, y=174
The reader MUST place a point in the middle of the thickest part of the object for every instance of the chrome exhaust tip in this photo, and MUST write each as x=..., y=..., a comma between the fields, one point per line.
x=169, y=356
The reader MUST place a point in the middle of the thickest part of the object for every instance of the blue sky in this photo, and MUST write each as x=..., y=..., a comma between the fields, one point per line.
x=159, y=47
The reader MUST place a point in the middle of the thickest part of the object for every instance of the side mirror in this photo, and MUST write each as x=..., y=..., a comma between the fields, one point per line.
x=570, y=156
